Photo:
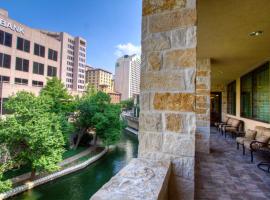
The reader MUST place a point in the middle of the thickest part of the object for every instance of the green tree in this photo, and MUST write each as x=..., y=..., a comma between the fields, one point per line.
x=97, y=113
x=32, y=134
x=61, y=101
x=127, y=104
x=4, y=185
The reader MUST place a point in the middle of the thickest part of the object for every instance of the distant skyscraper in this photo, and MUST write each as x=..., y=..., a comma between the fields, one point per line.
x=127, y=76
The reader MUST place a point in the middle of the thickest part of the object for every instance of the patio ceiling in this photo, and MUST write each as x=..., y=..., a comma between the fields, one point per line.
x=223, y=36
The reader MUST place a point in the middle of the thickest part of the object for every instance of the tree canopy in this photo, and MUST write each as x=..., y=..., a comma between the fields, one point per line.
x=127, y=104
x=32, y=134
x=61, y=101
x=96, y=112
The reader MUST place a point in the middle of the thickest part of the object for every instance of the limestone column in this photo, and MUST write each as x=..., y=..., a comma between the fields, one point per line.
x=167, y=98
x=203, y=87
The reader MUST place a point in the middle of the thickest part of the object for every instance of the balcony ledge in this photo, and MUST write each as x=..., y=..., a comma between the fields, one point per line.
x=140, y=179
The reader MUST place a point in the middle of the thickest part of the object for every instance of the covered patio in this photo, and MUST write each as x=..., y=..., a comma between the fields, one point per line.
x=226, y=174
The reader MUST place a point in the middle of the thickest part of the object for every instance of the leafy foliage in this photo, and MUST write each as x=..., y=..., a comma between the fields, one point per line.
x=4, y=185
x=61, y=101
x=32, y=134
x=127, y=104
x=96, y=112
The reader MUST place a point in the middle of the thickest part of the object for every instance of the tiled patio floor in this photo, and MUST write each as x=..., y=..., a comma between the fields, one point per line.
x=226, y=174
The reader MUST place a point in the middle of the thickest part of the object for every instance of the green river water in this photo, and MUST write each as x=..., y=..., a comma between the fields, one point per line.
x=83, y=184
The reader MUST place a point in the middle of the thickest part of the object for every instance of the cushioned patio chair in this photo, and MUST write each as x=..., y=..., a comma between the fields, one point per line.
x=225, y=121
x=229, y=123
x=249, y=136
x=233, y=127
x=260, y=142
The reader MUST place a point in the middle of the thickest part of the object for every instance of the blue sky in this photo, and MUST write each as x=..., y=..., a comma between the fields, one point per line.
x=111, y=27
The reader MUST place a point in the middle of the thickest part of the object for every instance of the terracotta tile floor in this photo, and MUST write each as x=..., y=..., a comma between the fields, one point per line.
x=226, y=174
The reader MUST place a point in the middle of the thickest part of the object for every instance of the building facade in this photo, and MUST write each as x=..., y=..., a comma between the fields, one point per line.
x=102, y=80
x=127, y=76
x=29, y=56
x=99, y=79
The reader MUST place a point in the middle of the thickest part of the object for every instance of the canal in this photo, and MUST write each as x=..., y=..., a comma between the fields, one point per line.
x=83, y=184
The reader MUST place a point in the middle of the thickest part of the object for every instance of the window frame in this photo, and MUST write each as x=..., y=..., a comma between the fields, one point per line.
x=38, y=69
x=25, y=44
x=23, y=67
x=252, y=75
x=39, y=50
x=231, y=87
x=3, y=61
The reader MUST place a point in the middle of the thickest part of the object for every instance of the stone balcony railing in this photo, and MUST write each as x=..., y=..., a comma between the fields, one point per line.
x=140, y=179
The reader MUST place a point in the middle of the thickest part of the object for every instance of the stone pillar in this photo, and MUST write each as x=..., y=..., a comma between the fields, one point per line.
x=203, y=87
x=167, y=99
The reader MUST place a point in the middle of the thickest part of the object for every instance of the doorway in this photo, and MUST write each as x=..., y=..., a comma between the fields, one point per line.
x=215, y=107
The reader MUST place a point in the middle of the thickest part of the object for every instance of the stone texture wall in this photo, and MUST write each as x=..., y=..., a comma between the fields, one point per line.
x=203, y=87
x=167, y=118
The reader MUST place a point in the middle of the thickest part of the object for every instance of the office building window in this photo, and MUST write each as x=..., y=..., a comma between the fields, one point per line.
x=255, y=94
x=52, y=71
x=37, y=83
x=231, y=98
x=39, y=50
x=5, y=60
x=4, y=79
x=21, y=81
x=52, y=55
x=38, y=68
x=22, y=64
x=5, y=38
x=23, y=45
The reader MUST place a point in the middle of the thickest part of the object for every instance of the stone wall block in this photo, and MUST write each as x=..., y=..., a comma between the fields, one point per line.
x=181, y=188
x=145, y=101
x=172, y=20
x=150, y=122
x=154, y=61
x=168, y=81
x=184, y=38
x=156, y=42
x=183, y=167
x=184, y=102
x=177, y=59
x=178, y=145
x=180, y=123
x=157, y=6
x=150, y=141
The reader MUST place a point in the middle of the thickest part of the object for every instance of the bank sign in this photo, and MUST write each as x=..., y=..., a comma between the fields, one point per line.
x=11, y=26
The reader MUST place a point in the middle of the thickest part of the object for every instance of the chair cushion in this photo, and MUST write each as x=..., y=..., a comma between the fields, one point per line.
x=235, y=122
x=247, y=143
x=255, y=146
x=263, y=139
x=250, y=134
x=231, y=129
x=241, y=140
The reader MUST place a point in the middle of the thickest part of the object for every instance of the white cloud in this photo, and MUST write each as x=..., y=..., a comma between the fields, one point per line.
x=127, y=49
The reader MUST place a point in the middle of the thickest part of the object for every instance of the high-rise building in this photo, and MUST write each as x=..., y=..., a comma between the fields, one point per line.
x=29, y=56
x=127, y=76
x=99, y=78
x=102, y=80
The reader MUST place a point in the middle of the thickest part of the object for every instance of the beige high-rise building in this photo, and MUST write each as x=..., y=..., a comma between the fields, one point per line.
x=127, y=76
x=29, y=56
x=102, y=80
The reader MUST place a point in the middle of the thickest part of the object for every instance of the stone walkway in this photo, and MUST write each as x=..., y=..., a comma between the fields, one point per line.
x=226, y=174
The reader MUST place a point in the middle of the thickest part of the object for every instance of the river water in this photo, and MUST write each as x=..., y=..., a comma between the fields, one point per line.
x=83, y=184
